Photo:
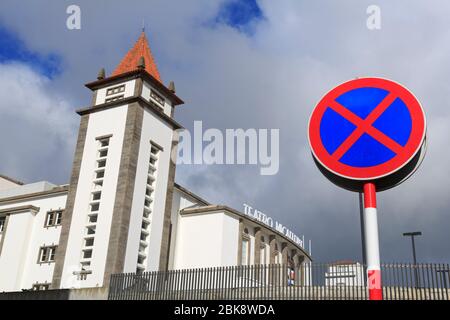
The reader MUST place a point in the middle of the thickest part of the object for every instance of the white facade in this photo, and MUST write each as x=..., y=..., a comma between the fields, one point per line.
x=122, y=211
x=202, y=236
x=25, y=233
x=97, y=127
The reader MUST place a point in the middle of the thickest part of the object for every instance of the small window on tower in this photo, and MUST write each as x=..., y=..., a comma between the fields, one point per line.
x=96, y=195
x=89, y=242
x=93, y=218
x=95, y=207
x=114, y=99
x=2, y=223
x=115, y=90
x=100, y=174
x=103, y=153
x=154, y=150
x=98, y=184
x=104, y=142
x=101, y=164
x=90, y=230
x=157, y=97
x=87, y=254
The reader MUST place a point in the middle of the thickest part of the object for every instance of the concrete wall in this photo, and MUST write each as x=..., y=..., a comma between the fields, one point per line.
x=206, y=240
x=180, y=201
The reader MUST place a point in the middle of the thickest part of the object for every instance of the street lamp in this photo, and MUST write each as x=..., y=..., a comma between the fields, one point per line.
x=412, y=235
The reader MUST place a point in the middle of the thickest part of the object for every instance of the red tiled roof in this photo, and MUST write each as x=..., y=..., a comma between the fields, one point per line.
x=131, y=59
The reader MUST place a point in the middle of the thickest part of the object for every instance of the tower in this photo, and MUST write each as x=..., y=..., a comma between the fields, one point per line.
x=118, y=206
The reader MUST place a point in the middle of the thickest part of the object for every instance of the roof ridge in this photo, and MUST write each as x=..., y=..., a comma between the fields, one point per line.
x=12, y=180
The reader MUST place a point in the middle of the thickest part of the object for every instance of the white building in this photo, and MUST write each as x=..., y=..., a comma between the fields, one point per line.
x=122, y=210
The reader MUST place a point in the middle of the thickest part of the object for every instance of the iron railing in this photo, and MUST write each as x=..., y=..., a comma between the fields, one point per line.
x=309, y=281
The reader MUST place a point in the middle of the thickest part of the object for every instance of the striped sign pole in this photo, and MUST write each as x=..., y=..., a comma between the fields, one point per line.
x=372, y=244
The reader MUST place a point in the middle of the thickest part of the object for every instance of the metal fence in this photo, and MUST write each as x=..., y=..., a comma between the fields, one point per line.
x=309, y=281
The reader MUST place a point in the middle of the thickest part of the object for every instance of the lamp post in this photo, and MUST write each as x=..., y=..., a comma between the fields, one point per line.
x=412, y=235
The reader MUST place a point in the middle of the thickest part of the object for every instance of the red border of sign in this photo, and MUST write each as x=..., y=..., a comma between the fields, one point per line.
x=413, y=145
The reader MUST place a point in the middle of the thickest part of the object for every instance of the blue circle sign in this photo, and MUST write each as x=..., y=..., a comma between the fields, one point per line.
x=367, y=129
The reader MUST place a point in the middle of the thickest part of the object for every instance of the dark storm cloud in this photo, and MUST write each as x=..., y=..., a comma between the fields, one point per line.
x=270, y=78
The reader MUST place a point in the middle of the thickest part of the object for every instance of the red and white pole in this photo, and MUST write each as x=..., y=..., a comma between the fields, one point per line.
x=372, y=244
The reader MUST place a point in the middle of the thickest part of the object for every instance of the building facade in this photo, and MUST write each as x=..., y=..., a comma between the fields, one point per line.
x=122, y=210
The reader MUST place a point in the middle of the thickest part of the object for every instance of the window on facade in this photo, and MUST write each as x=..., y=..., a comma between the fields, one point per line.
x=141, y=260
x=98, y=184
x=90, y=230
x=96, y=196
x=147, y=212
x=47, y=254
x=245, y=252
x=143, y=236
x=53, y=218
x=93, y=218
x=114, y=99
x=100, y=174
x=89, y=242
x=40, y=286
x=115, y=90
x=87, y=254
x=158, y=98
x=101, y=164
x=95, y=207
x=145, y=224
x=104, y=142
x=103, y=153
x=2, y=223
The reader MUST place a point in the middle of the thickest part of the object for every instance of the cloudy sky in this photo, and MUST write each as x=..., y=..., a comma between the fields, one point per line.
x=241, y=64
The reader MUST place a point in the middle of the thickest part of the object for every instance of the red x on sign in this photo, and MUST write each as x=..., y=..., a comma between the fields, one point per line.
x=366, y=128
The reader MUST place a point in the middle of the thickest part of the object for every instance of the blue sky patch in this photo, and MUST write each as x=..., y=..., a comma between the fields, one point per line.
x=12, y=48
x=239, y=14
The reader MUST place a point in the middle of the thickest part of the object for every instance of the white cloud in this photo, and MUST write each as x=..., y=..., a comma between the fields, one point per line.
x=37, y=126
